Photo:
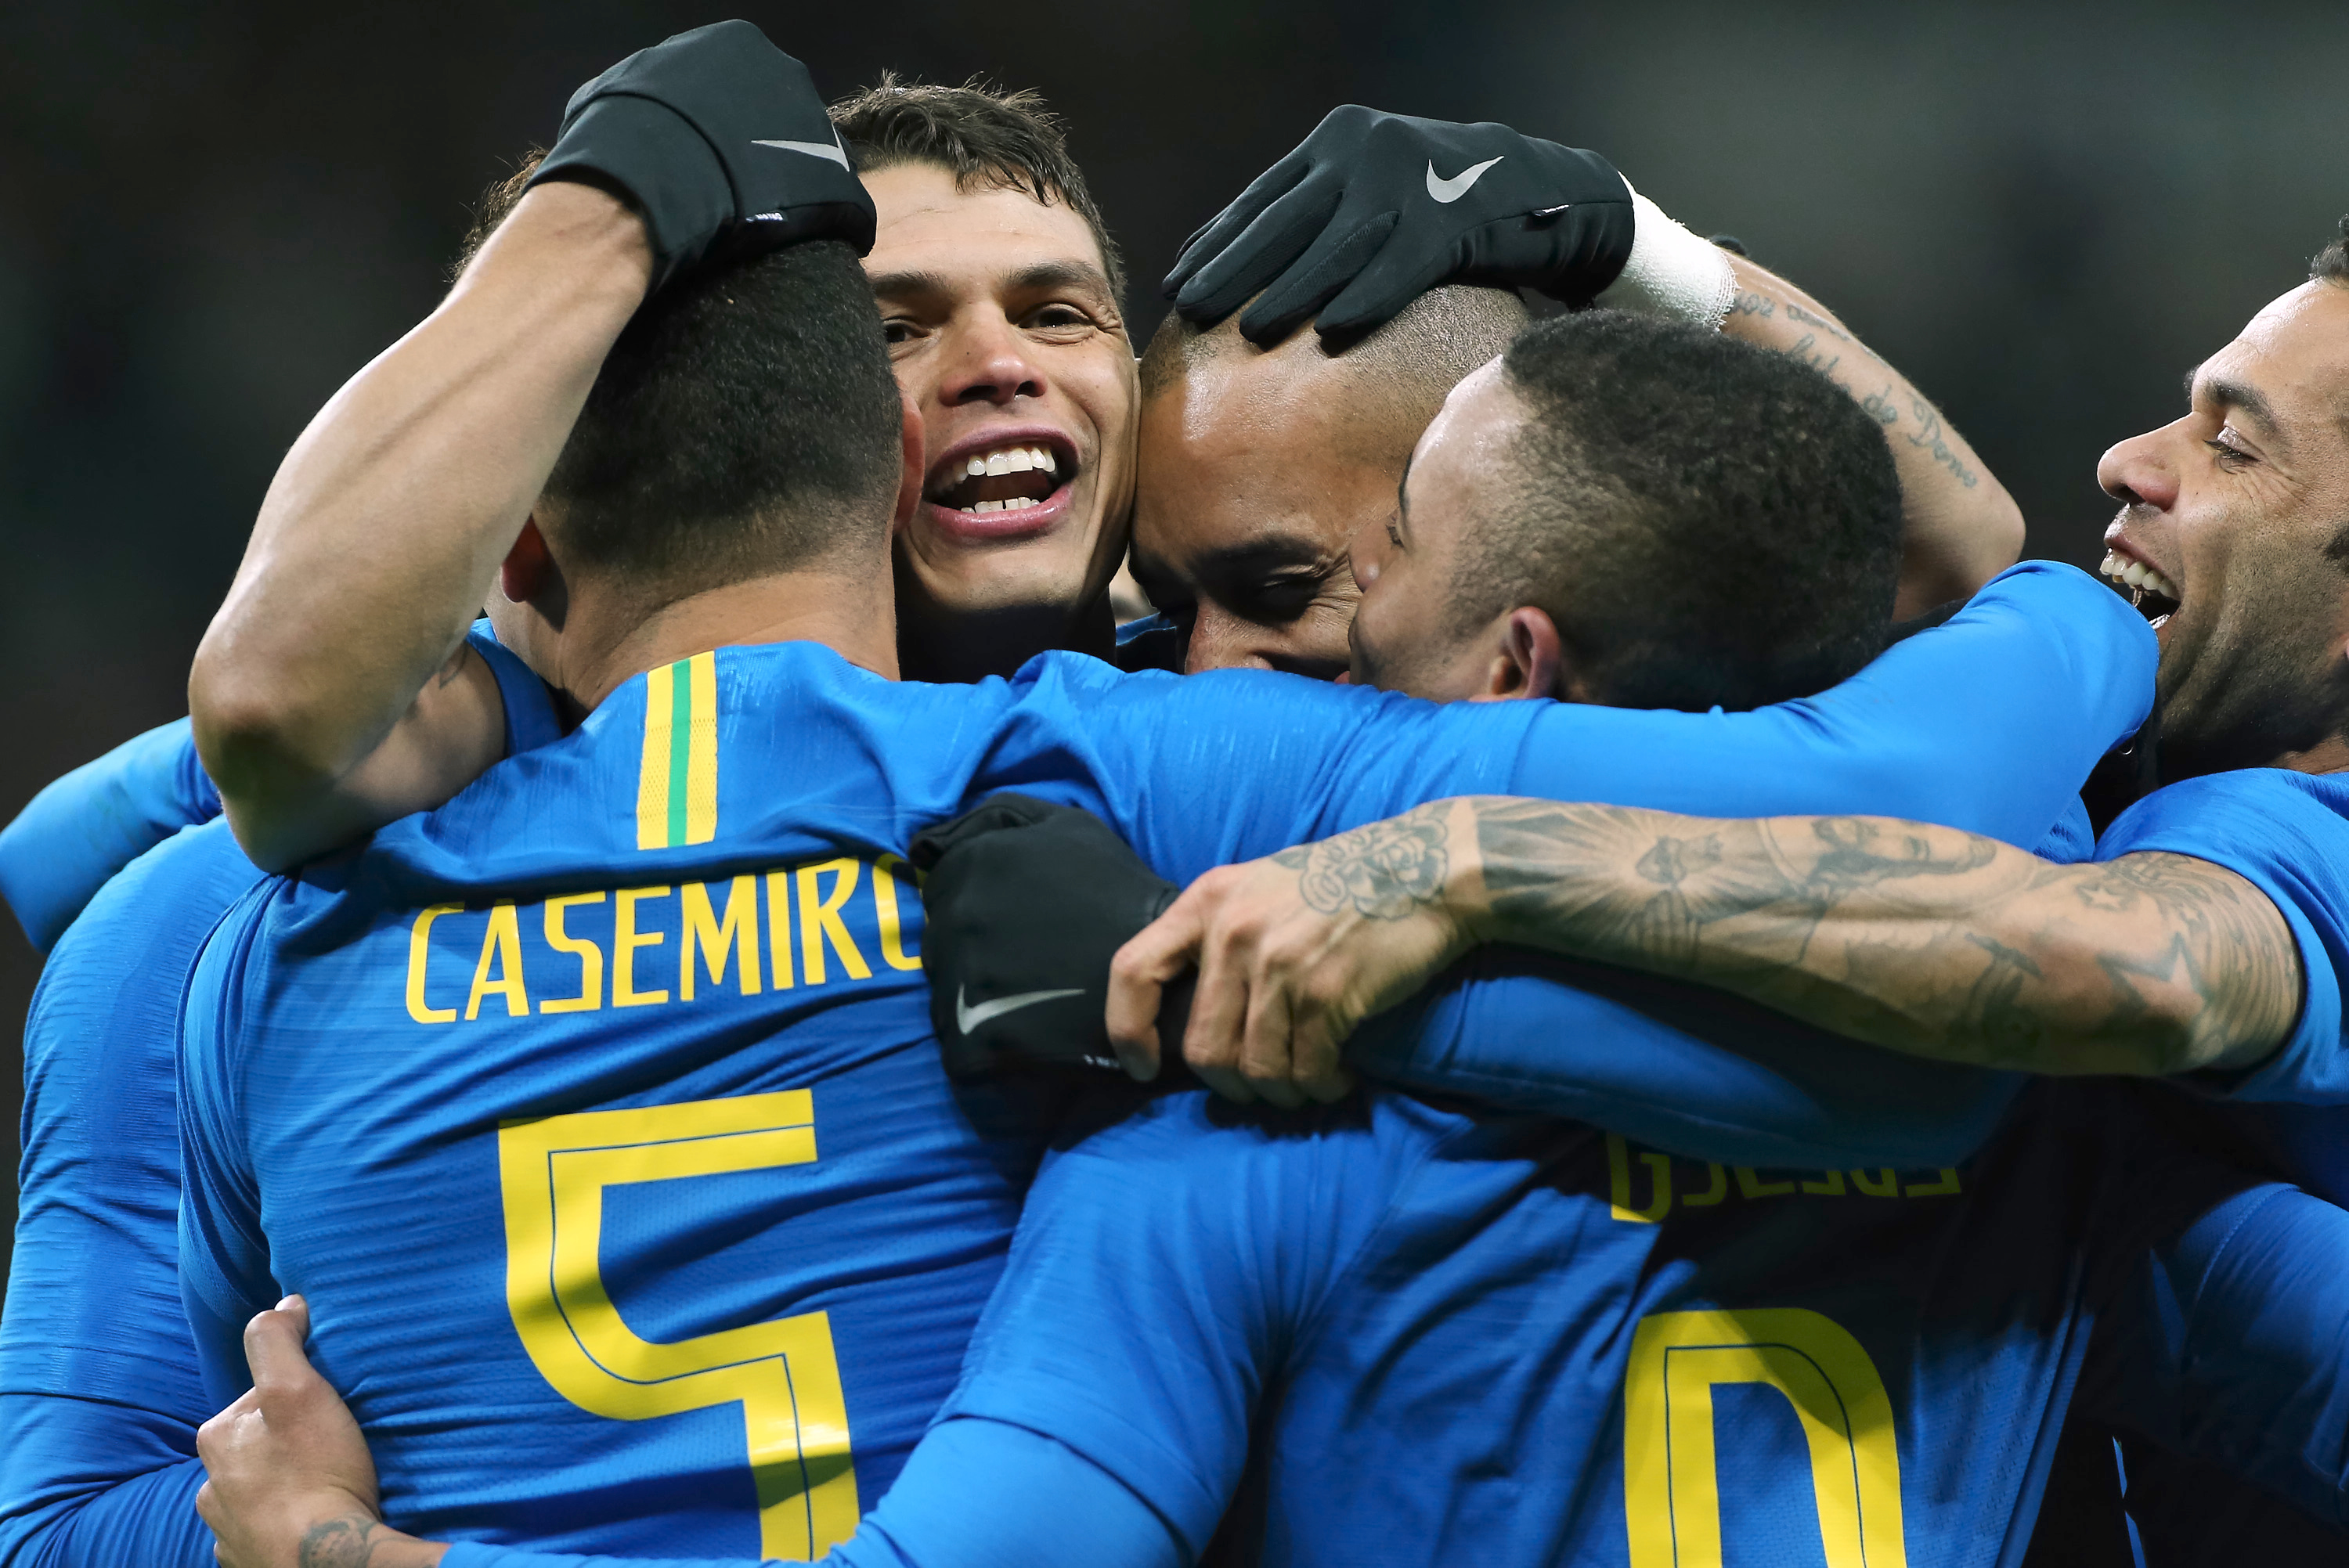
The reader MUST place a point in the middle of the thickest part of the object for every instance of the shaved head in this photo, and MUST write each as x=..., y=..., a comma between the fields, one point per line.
x=1258, y=465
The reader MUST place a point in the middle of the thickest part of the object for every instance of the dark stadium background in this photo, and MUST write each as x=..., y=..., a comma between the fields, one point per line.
x=210, y=216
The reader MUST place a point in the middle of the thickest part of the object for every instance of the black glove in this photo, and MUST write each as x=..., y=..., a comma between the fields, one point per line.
x=720, y=140
x=1374, y=210
x=1024, y=905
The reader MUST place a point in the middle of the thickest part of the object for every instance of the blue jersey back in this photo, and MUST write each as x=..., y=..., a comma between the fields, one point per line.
x=627, y=1044
x=1512, y=1341
x=629, y=1048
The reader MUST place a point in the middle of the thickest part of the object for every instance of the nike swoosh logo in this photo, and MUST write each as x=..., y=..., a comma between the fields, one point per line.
x=967, y=1017
x=1456, y=187
x=828, y=149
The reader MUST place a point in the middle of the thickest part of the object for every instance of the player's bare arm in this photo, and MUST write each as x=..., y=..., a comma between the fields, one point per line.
x=1960, y=526
x=1920, y=939
x=335, y=679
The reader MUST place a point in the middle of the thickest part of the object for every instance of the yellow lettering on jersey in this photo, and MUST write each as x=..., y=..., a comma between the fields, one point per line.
x=1716, y=1188
x=1946, y=1185
x=785, y=1374
x=1884, y=1184
x=1830, y=1185
x=1671, y=1496
x=625, y=943
x=676, y=780
x=590, y=956
x=1752, y=1185
x=420, y=953
x=737, y=933
x=820, y=919
x=779, y=927
x=884, y=901
x=1618, y=1181
x=502, y=941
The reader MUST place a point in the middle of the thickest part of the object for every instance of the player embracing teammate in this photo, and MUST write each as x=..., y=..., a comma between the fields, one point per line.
x=598, y=1115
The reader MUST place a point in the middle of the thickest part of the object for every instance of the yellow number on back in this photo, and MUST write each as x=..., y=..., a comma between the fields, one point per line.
x=1671, y=1496
x=554, y=1172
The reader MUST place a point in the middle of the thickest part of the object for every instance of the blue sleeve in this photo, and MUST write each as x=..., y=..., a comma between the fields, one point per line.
x=2235, y=1345
x=1696, y=1072
x=223, y=1254
x=975, y=1494
x=87, y=826
x=2284, y=833
x=100, y=1394
x=1987, y=723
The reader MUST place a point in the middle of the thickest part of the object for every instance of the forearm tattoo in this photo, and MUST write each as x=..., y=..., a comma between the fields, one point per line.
x=1384, y=871
x=339, y=1543
x=1920, y=938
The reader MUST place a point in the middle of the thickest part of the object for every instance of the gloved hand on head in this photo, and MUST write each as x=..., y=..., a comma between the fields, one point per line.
x=1374, y=210
x=721, y=142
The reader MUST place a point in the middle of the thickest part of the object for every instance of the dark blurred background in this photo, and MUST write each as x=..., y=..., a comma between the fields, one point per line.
x=210, y=216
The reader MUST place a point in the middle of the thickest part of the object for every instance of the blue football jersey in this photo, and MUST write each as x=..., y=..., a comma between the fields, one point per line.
x=1394, y=1331
x=597, y=1112
x=99, y=1396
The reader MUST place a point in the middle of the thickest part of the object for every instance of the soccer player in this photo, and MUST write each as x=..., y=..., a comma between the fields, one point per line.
x=1546, y=1320
x=1002, y=292
x=1266, y=450
x=627, y=1004
x=99, y=1401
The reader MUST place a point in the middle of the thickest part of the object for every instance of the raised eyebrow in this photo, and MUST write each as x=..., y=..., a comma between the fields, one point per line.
x=897, y=285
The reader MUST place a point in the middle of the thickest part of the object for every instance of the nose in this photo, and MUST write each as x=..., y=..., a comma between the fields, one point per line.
x=989, y=362
x=2141, y=470
x=1222, y=641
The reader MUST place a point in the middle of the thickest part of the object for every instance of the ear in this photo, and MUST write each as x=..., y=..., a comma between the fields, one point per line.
x=528, y=567
x=910, y=476
x=1530, y=661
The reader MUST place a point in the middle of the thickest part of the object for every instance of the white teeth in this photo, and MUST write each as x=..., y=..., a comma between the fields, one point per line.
x=2111, y=564
x=989, y=506
x=2155, y=583
x=1017, y=461
x=1018, y=503
x=998, y=462
x=2133, y=574
x=1044, y=460
x=976, y=466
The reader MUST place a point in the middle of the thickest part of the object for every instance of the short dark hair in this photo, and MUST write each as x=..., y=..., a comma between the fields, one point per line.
x=2332, y=263
x=745, y=422
x=982, y=136
x=1707, y=523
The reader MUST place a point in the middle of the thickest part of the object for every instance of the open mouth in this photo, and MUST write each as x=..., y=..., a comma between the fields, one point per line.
x=2155, y=596
x=1000, y=480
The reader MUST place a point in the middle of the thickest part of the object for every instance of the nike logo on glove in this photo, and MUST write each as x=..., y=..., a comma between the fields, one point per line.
x=1456, y=187
x=833, y=152
x=967, y=1017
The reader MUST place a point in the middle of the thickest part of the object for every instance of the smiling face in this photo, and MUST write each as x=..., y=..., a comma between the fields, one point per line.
x=1006, y=337
x=2240, y=512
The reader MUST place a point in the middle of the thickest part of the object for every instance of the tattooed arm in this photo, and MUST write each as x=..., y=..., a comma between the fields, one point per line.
x=1924, y=940
x=1962, y=527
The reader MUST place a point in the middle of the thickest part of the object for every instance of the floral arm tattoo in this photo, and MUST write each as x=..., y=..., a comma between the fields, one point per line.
x=1926, y=940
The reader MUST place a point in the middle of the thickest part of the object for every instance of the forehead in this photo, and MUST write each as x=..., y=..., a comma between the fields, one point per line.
x=926, y=224
x=2293, y=357
x=1243, y=458
x=1469, y=434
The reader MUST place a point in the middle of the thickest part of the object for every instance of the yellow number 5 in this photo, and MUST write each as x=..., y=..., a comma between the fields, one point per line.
x=1671, y=1496
x=554, y=1172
